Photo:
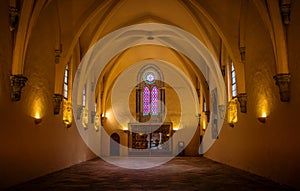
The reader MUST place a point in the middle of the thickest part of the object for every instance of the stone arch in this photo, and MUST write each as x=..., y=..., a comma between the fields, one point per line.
x=164, y=35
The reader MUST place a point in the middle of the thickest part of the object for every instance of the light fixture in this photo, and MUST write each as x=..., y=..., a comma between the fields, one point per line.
x=96, y=122
x=37, y=118
x=103, y=119
x=204, y=125
x=232, y=112
x=125, y=129
x=263, y=118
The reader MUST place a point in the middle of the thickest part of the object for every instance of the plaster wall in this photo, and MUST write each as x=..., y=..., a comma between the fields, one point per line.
x=29, y=150
x=271, y=149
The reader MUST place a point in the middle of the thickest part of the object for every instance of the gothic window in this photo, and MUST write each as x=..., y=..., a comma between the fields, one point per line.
x=66, y=82
x=150, y=95
x=233, y=82
x=154, y=101
x=84, y=95
x=146, y=101
x=150, y=86
x=204, y=105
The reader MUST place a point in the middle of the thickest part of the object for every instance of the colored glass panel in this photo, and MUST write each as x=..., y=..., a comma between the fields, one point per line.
x=154, y=101
x=146, y=101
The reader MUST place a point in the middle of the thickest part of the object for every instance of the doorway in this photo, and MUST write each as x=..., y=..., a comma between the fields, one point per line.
x=114, y=145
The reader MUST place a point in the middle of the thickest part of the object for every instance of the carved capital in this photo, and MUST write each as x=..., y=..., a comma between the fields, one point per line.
x=222, y=111
x=285, y=9
x=207, y=113
x=13, y=18
x=57, y=99
x=243, y=53
x=17, y=82
x=242, y=98
x=93, y=114
x=283, y=83
x=79, y=112
x=223, y=70
x=57, y=54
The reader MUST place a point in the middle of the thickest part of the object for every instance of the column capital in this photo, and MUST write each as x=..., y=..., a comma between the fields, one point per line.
x=283, y=82
x=57, y=99
x=242, y=98
x=17, y=82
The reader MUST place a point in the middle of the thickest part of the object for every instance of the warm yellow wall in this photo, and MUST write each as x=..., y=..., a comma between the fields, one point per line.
x=29, y=150
x=270, y=149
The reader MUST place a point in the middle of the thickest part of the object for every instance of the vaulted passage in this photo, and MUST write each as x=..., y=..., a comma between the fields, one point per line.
x=181, y=173
x=140, y=82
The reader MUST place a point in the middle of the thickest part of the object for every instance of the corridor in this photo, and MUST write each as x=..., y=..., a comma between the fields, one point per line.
x=181, y=173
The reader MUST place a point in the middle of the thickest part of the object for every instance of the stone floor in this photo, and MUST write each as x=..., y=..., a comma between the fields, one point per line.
x=181, y=173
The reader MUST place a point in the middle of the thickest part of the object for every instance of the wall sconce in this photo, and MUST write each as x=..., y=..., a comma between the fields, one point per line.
x=85, y=117
x=125, y=129
x=263, y=118
x=232, y=112
x=67, y=113
x=103, y=119
x=37, y=118
x=96, y=122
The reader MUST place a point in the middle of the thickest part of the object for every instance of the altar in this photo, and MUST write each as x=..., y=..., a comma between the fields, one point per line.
x=150, y=139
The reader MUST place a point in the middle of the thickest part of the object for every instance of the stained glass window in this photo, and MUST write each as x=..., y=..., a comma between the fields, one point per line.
x=146, y=101
x=233, y=81
x=66, y=80
x=154, y=101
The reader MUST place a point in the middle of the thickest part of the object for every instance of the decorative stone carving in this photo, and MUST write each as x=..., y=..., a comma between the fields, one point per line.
x=207, y=113
x=283, y=82
x=57, y=54
x=223, y=70
x=17, y=82
x=93, y=113
x=285, y=9
x=57, y=99
x=79, y=112
x=13, y=18
x=243, y=54
x=97, y=122
x=222, y=111
x=85, y=117
x=242, y=98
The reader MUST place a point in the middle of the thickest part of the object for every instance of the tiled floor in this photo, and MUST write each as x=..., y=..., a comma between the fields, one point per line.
x=181, y=173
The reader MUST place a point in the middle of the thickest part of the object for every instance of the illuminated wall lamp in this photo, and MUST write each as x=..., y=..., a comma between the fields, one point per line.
x=125, y=129
x=103, y=119
x=37, y=119
x=263, y=118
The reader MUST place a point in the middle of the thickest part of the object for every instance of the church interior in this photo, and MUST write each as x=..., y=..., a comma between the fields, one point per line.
x=112, y=79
